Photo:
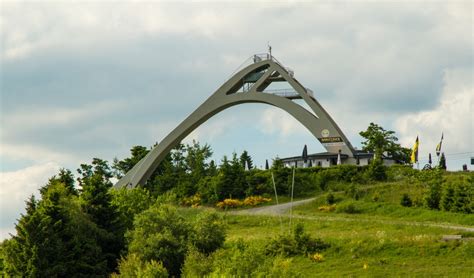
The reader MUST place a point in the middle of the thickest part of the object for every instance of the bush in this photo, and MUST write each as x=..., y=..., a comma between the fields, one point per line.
x=299, y=243
x=330, y=199
x=347, y=207
x=244, y=260
x=433, y=196
x=353, y=192
x=229, y=203
x=406, y=200
x=241, y=260
x=376, y=196
x=447, y=198
x=377, y=171
x=193, y=201
x=209, y=233
x=160, y=234
x=255, y=200
x=399, y=172
x=462, y=198
x=327, y=208
x=133, y=266
x=197, y=264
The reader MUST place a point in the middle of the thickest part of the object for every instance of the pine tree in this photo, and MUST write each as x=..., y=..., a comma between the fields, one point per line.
x=447, y=198
x=96, y=202
x=246, y=160
x=433, y=196
x=54, y=239
x=462, y=198
x=442, y=162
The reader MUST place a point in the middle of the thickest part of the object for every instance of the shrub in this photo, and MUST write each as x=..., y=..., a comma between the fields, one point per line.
x=377, y=171
x=160, y=234
x=255, y=200
x=193, y=201
x=133, y=266
x=406, y=200
x=447, y=198
x=209, y=233
x=327, y=208
x=347, y=207
x=299, y=243
x=197, y=264
x=244, y=260
x=462, y=198
x=433, y=195
x=229, y=203
x=353, y=192
x=330, y=199
x=376, y=196
x=317, y=257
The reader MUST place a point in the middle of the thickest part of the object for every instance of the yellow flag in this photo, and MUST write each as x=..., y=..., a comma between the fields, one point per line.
x=414, y=152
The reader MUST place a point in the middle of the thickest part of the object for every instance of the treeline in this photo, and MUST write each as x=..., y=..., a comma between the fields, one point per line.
x=442, y=192
x=188, y=170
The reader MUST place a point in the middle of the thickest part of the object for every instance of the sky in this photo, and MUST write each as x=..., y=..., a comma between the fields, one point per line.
x=85, y=79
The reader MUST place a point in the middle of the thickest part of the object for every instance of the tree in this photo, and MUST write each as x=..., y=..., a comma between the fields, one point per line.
x=231, y=182
x=447, y=197
x=378, y=140
x=160, y=234
x=433, y=195
x=54, y=239
x=442, y=162
x=133, y=266
x=96, y=202
x=130, y=202
x=64, y=177
x=462, y=197
x=376, y=170
x=277, y=164
x=196, y=160
x=246, y=160
x=209, y=234
x=121, y=167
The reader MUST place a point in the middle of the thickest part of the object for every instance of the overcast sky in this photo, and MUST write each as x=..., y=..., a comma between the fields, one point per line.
x=82, y=80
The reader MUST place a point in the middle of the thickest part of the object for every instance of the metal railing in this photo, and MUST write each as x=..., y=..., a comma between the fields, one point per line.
x=261, y=57
x=288, y=92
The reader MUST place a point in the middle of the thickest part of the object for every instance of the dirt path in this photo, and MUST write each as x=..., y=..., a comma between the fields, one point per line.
x=282, y=209
x=274, y=209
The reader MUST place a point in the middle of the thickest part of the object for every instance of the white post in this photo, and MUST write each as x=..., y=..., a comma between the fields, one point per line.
x=291, y=201
x=276, y=198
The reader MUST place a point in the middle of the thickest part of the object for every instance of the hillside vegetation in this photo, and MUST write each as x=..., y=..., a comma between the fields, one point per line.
x=364, y=221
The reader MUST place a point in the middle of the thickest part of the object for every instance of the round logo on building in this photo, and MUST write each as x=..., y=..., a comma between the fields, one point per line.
x=325, y=133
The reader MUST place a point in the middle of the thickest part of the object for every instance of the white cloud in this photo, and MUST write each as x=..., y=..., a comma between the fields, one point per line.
x=214, y=128
x=16, y=187
x=276, y=121
x=34, y=117
x=35, y=153
x=453, y=115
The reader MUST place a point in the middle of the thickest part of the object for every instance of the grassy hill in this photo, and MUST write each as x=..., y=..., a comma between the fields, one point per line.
x=369, y=232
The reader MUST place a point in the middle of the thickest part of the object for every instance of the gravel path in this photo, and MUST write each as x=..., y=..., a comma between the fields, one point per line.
x=283, y=209
x=274, y=209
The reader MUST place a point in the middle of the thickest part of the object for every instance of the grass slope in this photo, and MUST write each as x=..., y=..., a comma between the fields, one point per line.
x=379, y=238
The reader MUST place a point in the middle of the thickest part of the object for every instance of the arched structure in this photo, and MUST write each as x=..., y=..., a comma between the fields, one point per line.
x=249, y=86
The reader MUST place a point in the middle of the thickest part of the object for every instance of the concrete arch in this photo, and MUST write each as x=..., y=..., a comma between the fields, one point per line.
x=257, y=77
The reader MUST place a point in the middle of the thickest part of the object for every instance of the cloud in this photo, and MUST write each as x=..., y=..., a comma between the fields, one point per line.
x=279, y=122
x=453, y=116
x=16, y=187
